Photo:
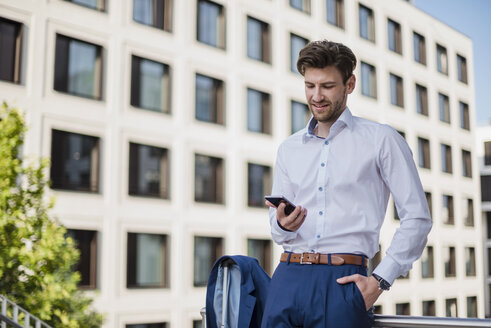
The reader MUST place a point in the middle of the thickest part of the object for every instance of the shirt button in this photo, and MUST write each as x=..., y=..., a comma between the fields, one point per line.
x=318, y=236
x=326, y=142
x=323, y=164
x=320, y=212
x=320, y=188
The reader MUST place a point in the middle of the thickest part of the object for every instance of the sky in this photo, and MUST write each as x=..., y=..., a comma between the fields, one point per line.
x=472, y=18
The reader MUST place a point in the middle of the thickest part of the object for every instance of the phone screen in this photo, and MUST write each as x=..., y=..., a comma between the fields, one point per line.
x=277, y=200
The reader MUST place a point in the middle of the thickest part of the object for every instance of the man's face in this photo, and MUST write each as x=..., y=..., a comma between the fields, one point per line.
x=326, y=93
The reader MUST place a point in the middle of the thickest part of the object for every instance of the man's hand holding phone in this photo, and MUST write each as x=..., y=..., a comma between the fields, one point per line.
x=289, y=216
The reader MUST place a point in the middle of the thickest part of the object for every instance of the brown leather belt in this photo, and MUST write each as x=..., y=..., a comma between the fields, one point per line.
x=331, y=259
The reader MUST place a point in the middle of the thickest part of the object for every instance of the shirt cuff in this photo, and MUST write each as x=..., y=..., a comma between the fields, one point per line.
x=280, y=231
x=388, y=269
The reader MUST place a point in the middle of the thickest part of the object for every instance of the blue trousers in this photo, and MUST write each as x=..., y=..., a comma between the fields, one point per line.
x=302, y=295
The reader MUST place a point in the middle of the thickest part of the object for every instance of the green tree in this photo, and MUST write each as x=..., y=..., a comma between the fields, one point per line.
x=36, y=256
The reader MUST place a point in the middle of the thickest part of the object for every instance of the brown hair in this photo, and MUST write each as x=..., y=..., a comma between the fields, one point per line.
x=320, y=54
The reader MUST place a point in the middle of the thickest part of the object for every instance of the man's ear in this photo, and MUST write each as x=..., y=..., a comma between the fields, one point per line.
x=350, y=84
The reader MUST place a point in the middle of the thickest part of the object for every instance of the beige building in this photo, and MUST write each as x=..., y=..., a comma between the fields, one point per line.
x=162, y=120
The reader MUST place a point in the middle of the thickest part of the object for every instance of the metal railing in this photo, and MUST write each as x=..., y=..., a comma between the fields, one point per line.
x=11, y=314
x=402, y=321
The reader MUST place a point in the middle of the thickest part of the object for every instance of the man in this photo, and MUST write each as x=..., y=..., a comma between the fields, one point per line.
x=339, y=171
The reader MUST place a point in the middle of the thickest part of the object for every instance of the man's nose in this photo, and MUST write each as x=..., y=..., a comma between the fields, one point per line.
x=317, y=96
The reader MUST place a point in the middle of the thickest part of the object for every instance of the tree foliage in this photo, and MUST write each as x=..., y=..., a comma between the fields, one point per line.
x=36, y=257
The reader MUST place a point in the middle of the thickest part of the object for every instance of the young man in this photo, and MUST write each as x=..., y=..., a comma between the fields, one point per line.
x=339, y=171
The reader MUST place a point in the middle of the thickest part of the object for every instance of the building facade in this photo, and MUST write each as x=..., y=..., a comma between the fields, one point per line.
x=162, y=119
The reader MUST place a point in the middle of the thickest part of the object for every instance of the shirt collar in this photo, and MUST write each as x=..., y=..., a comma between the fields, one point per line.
x=346, y=119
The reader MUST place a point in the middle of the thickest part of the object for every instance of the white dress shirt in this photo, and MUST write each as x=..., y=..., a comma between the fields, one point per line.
x=344, y=182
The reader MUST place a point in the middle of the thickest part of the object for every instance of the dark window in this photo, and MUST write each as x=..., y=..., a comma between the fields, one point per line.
x=444, y=108
x=450, y=262
x=148, y=325
x=258, y=40
x=156, y=13
x=302, y=5
x=210, y=99
x=10, y=50
x=335, y=12
x=472, y=307
x=394, y=36
x=403, y=309
x=466, y=164
x=446, y=158
x=206, y=251
x=147, y=261
x=74, y=161
x=150, y=85
x=261, y=250
x=487, y=153
x=447, y=209
x=149, y=171
x=451, y=307
x=378, y=309
x=209, y=181
x=211, y=24
x=486, y=188
x=421, y=100
x=367, y=23
x=427, y=263
x=396, y=90
x=488, y=224
x=429, y=308
x=489, y=262
x=464, y=116
x=368, y=80
x=419, y=48
x=428, y=200
x=461, y=68
x=258, y=184
x=93, y=4
x=441, y=59
x=86, y=243
x=470, y=261
x=258, y=111
x=300, y=115
x=424, y=153
x=78, y=67
x=468, y=212
x=296, y=44
x=197, y=323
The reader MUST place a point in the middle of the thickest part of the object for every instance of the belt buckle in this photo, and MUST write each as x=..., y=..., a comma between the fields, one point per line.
x=301, y=260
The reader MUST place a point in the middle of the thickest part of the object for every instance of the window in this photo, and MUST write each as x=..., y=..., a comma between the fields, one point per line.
x=429, y=308
x=367, y=23
x=394, y=36
x=296, y=44
x=335, y=12
x=86, y=243
x=486, y=188
x=489, y=261
x=209, y=181
x=11, y=50
x=211, y=24
x=472, y=307
x=470, y=262
x=93, y=4
x=259, y=182
x=451, y=307
x=403, y=309
x=466, y=164
x=447, y=209
x=396, y=91
x=419, y=48
x=78, y=67
x=441, y=59
x=148, y=325
x=147, y=261
x=421, y=100
x=427, y=263
x=462, y=69
x=261, y=249
x=424, y=153
x=258, y=40
x=468, y=206
x=149, y=171
x=258, y=111
x=446, y=158
x=444, y=107
x=428, y=200
x=487, y=153
x=74, y=161
x=206, y=251
x=210, y=100
x=150, y=85
x=464, y=116
x=450, y=262
x=378, y=309
x=197, y=323
x=488, y=221
x=368, y=80
x=300, y=115
x=302, y=5
x=156, y=13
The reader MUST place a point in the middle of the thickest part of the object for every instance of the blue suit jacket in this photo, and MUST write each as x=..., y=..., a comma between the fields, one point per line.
x=254, y=285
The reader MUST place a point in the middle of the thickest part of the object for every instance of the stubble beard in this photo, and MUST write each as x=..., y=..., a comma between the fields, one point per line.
x=332, y=112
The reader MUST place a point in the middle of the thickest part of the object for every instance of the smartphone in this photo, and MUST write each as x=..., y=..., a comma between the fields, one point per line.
x=277, y=200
